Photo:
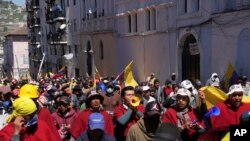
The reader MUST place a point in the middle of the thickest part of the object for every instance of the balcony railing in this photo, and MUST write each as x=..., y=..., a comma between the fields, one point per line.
x=33, y=22
x=60, y=37
x=35, y=4
x=54, y=14
x=50, y=1
x=34, y=41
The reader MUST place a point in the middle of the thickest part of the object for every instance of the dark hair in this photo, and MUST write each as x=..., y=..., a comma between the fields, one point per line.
x=126, y=89
x=156, y=80
x=116, y=88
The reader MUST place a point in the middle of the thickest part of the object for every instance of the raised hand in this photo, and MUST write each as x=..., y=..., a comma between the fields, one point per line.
x=18, y=125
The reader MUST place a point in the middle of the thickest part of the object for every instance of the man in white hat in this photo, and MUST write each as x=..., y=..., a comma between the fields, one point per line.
x=184, y=116
x=213, y=79
x=146, y=95
x=230, y=112
x=194, y=98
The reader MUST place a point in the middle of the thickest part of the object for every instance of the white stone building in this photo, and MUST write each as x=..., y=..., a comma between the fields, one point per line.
x=16, y=54
x=158, y=36
x=193, y=38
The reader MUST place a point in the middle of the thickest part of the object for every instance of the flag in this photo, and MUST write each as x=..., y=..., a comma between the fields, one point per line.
x=128, y=76
x=231, y=76
x=97, y=77
x=60, y=73
x=50, y=74
x=97, y=74
x=214, y=96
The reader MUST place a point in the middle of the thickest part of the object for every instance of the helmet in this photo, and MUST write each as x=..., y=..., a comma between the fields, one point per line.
x=28, y=90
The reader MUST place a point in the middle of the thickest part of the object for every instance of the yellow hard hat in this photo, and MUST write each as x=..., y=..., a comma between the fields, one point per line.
x=29, y=90
x=22, y=106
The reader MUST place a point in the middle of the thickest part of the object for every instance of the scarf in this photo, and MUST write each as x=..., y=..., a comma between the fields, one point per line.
x=183, y=117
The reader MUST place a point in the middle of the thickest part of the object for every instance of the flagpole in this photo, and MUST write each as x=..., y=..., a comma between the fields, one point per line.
x=117, y=77
x=40, y=67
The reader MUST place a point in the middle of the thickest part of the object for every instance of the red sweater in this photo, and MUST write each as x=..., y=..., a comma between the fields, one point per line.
x=120, y=111
x=45, y=115
x=171, y=117
x=80, y=124
x=227, y=116
x=42, y=133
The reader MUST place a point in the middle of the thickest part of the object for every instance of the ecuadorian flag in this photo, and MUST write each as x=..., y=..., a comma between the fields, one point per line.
x=231, y=76
x=60, y=73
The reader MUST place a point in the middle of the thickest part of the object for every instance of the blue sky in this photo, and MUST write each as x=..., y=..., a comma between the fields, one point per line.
x=19, y=2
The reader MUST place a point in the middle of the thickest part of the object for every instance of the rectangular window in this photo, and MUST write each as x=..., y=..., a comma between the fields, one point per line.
x=101, y=51
x=69, y=49
x=25, y=59
x=75, y=25
x=147, y=20
x=74, y=2
x=51, y=51
x=68, y=3
x=153, y=19
x=129, y=24
x=76, y=50
x=135, y=22
x=185, y=6
x=55, y=51
x=63, y=50
x=77, y=72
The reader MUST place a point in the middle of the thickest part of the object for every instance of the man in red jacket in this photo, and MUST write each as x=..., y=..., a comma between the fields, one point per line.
x=93, y=103
x=126, y=115
x=185, y=117
x=24, y=124
x=31, y=91
x=230, y=112
x=64, y=117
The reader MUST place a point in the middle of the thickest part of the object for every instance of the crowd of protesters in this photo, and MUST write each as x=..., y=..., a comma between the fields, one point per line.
x=65, y=109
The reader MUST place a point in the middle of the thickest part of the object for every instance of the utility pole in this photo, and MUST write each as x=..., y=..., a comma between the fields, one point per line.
x=40, y=67
x=17, y=67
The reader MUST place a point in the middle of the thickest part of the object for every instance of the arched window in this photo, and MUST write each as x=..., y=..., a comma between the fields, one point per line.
x=147, y=20
x=101, y=51
x=153, y=19
x=129, y=24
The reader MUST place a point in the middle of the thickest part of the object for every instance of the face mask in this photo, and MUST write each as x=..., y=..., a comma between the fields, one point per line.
x=6, y=104
x=110, y=90
x=33, y=121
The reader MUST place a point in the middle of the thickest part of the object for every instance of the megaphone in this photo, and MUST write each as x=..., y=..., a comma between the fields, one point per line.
x=135, y=101
x=215, y=111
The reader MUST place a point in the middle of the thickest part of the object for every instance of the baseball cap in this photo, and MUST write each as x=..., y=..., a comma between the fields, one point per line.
x=96, y=121
x=153, y=108
x=235, y=88
x=183, y=92
x=64, y=99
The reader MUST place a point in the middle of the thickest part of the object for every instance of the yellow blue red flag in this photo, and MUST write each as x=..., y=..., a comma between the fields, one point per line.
x=215, y=95
x=231, y=76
